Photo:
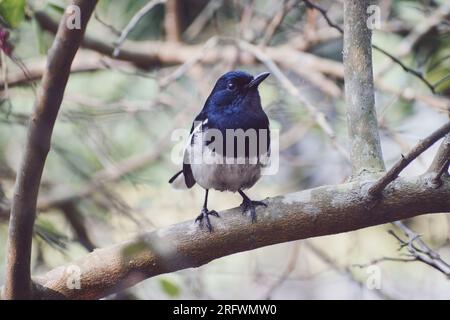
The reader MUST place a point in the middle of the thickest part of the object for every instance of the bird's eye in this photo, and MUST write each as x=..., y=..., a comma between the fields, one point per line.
x=231, y=86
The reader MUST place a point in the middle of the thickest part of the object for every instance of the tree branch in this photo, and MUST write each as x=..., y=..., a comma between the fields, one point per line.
x=77, y=223
x=404, y=50
x=419, y=250
x=132, y=24
x=310, y=213
x=23, y=211
x=442, y=156
x=150, y=54
x=415, y=73
x=324, y=14
x=365, y=152
x=392, y=174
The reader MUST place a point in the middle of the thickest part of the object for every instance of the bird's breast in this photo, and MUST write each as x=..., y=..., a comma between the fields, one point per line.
x=214, y=170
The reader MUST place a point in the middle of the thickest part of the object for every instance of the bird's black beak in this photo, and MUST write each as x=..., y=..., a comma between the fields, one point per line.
x=257, y=80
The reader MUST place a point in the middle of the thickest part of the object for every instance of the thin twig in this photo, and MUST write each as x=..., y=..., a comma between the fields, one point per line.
x=382, y=259
x=106, y=24
x=421, y=252
x=393, y=173
x=290, y=267
x=344, y=271
x=202, y=19
x=418, y=251
x=416, y=73
x=132, y=24
x=276, y=21
x=182, y=69
x=324, y=14
x=441, y=81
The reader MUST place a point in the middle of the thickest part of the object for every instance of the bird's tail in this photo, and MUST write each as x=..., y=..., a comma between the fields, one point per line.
x=178, y=181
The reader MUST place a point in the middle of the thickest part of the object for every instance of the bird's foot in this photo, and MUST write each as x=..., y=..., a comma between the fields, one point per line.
x=250, y=205
x=205, y=215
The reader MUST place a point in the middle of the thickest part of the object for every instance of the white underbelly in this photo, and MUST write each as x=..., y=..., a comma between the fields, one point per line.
x=231, y=177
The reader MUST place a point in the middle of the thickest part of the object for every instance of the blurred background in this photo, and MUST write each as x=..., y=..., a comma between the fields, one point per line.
x=106, y=177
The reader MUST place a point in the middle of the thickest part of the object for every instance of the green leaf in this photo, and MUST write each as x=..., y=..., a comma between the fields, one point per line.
x=169, y=287
x=12, y=11
x=57, y=5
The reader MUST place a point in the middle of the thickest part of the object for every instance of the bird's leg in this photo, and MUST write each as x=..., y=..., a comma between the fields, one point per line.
x=248, y=204
x=205, y=213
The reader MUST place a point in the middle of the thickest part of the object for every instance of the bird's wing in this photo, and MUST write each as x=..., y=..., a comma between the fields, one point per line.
x=189, y=181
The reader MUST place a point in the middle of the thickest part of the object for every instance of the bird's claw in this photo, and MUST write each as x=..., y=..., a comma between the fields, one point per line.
x=250, y=205
x=205, y=215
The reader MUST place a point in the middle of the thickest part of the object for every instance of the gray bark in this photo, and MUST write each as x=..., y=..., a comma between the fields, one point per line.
x=365, y=151
x=300, y=215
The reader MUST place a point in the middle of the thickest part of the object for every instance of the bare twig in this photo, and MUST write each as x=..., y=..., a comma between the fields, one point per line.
x=276, y=21
x=83, y=62
x=344, y=271
x=23, y=211
x=324, y=14
x=290, y=267
x=383, y=259
x=416, y=73
x=182, y=69
x=377, y=188
x=105, y=24
x=419, y=250
x=132, y=24
x=419, y=30
x=202, y=19
x=438, y=103
x=441, y=81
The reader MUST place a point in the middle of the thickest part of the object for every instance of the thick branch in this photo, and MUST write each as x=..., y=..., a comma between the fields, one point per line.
x=84, y=61
x=155, y=54
x=365, y=153
x=23, y=211
x=393, y=173
x=310, y=213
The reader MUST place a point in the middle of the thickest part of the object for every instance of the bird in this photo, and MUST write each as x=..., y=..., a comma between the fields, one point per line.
x=211, y=158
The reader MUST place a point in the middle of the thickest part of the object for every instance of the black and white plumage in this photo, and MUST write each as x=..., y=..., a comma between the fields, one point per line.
x=231, y=117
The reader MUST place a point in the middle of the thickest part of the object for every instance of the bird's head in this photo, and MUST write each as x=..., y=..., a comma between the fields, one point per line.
x=236, y=89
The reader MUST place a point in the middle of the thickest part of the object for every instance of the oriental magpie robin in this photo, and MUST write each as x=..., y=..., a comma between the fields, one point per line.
x=229, y=142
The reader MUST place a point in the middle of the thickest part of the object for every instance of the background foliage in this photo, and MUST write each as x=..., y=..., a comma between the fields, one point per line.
x=118, y=111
